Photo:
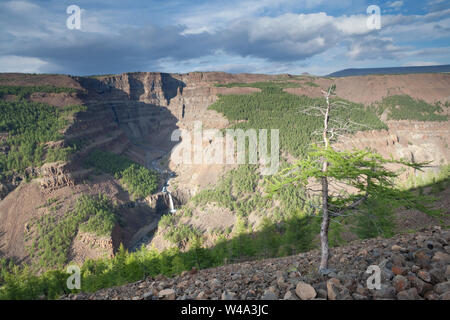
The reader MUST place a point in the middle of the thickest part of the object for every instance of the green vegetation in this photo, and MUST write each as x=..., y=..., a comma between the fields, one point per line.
x=295, y=235
x=375, y=194
x=138, y=180
x=53, y=235
x=403, y=107
x=275, y=109
x=30, y=126
x=182, y=234
x=235, y=191
x=24, y=92
x=437, y=180
x=377, y=219
x=312, y=84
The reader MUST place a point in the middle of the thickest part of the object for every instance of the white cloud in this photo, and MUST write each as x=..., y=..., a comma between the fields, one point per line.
x=395, y=4
x=22, y=64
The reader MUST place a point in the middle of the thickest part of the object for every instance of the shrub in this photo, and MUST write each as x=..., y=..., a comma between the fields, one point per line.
x=138, y=180
x=403, y=107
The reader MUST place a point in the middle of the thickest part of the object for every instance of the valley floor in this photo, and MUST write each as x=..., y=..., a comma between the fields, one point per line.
x=414, y=266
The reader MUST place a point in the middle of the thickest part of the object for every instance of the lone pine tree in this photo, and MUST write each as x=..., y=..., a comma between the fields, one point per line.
x=355, y=176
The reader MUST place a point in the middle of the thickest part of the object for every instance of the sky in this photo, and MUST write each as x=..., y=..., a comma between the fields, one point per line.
x=253, y=36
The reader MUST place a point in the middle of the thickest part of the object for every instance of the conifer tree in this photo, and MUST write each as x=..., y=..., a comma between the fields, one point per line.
x=347, y=179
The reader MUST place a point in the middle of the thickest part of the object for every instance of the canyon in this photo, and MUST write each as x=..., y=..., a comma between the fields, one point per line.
x=134, y=114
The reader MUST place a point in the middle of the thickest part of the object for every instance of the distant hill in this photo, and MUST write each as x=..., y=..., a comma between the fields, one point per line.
x=394, y=70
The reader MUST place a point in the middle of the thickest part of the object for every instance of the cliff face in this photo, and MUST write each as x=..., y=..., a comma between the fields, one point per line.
x=412, y=140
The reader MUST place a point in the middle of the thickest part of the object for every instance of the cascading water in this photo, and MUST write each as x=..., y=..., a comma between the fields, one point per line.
x=171, y=206
x=172, y=209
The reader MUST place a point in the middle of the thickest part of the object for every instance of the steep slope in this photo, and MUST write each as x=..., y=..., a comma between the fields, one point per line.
x=413, y=267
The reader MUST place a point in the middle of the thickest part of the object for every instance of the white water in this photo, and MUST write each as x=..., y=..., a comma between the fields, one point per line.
x=172, y=209
x=171, y=206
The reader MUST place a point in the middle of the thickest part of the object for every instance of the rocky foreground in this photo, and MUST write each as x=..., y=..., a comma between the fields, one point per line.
x=413, y=267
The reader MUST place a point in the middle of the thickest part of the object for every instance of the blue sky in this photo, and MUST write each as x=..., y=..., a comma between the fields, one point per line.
x=255, y=36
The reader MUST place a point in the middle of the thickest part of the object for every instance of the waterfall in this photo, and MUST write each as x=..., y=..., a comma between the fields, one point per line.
x=172, y=209
x=171, y=206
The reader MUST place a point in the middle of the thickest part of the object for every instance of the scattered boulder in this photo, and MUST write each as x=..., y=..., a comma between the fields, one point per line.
x=167, y=294
x=305, y=291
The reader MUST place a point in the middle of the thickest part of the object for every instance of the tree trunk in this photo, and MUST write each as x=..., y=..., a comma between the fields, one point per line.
x=324, y=226
x=325, y=213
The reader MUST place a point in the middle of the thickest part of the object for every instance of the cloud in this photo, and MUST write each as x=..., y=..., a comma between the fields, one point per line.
x=371, y=48
x=24, y=64
x=246, y=38
x=395, y=4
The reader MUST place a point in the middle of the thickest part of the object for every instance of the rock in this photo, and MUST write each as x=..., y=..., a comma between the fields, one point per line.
x=167, y=294
x=321, y=293
x=193, y=271
x=326, y=272
x=148, y=295
x=361, y=290
x=386, y=274
x=269, y=295
x=376, y=253
x=228, y=295
x=398, y=270
x=443, y=287
x=201, y=296
x=396, y=247
x=362, y=252
x=425, y=276
x=398, y=260
x=305, y=291
x=447, y=272
x=357, y=296
x=441, y=257
x=183, y=284
x=236, y=276
x=400, y=283
x=429, y=245
x=280, y=282
x=437, y=275
x=184, y=274
x=160, y=277
x=385, y=292
x=333, y=286
x=445, y=296
x=410, y=294
x=422, y=259
x=430, y=295
x=215, y=283
x=421, y=286
x=289, y=296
